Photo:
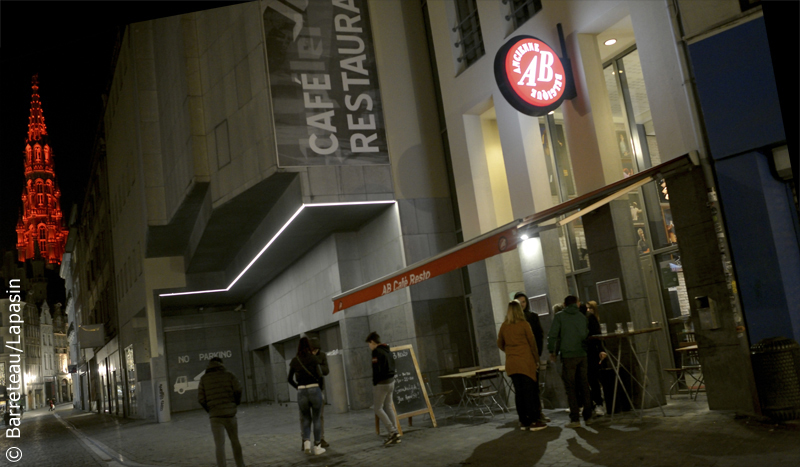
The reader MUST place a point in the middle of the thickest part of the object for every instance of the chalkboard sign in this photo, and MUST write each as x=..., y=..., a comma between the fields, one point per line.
x=410, y=397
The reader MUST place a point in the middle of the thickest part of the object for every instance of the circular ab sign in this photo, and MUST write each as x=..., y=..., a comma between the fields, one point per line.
x=530, y=75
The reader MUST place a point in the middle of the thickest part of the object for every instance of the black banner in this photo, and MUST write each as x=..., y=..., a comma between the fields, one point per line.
x=324, y=84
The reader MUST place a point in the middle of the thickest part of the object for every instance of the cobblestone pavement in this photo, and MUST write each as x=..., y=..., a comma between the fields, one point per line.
x=689, y=435
x=45, y=442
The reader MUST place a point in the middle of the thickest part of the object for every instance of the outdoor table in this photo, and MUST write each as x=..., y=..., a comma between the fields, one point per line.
x=464, y=376
x=616, y=365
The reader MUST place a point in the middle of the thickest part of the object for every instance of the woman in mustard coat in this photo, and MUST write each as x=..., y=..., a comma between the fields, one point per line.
x=522, y=360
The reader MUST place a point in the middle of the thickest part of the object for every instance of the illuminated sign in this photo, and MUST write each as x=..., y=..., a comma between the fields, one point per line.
x=530, y=75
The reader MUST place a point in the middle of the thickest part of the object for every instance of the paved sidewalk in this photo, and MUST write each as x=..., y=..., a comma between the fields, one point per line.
x=690, y=435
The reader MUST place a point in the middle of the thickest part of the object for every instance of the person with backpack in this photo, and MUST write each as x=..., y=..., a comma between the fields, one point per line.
x=383, y=371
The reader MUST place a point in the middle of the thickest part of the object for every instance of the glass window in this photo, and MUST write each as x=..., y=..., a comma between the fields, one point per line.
x=586, y=287
x=577, y=245
x=522, y=10
x=548, y=158
x=659, y=214
x=559, y=165
x=673, y=285
x=638, y=107
x=562, y=239
x=469, y=29
x=622, y=138
x=566, y=179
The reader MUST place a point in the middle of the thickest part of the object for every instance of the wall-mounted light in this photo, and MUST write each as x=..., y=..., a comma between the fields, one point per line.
x=610, y=42
x=524, y=237
x=272, y=240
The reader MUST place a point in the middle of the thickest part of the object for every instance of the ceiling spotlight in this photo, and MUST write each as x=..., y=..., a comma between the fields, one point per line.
x=610, y=42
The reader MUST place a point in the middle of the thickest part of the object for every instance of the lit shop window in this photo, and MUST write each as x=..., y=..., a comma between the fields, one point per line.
x=556, y=151
x=633, y=124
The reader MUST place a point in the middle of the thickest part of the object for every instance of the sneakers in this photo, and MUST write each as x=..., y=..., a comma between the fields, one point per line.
x=589, y=421
x=575, y=424
x=307, y=446
x=324, y=444
x=524, y=427
x=318, y=450
x=598, y=411
x=537, y=426
x=394, y=438
x=544, y=418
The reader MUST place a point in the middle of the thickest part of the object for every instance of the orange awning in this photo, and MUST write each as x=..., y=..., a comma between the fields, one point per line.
x=490, y=244
x=499, y=240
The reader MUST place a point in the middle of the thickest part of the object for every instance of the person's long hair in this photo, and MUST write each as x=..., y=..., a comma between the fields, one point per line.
x=514, y=314
x=527, y=301
x=304, y=347
x=592, y=305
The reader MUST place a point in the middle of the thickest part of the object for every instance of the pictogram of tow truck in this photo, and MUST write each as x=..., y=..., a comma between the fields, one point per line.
x=182, y=384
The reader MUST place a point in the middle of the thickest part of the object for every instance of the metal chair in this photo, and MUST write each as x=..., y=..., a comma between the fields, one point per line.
x=437, y=399
x=484, y=387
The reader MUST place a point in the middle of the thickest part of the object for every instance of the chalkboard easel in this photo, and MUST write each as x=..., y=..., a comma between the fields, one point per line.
x=409, y=397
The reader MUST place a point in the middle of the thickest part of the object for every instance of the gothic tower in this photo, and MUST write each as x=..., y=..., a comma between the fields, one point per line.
x=40, y=230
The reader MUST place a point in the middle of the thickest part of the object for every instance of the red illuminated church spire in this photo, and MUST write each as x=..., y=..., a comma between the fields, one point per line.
x=40, y=232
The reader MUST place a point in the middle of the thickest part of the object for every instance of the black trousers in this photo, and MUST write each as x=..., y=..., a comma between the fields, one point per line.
x=574, y=374
x=526, y=396
x=593, y=373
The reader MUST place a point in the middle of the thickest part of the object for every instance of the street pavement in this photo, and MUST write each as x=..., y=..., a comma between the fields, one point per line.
x=690, y=435
x=44, y=442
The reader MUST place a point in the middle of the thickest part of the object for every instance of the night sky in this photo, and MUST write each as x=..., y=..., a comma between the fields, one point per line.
x=69, y=44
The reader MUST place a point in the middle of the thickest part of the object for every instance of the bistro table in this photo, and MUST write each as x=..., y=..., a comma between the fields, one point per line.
x=616, y=365
x=464, y=376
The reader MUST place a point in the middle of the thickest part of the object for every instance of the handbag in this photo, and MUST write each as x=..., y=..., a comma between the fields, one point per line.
x=316, y=378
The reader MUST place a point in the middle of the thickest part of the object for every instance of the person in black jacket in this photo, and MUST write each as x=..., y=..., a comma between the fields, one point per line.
x=219, y=393
x=538, y=334
x=316, y=349
x=305, y=375
x=383, y=385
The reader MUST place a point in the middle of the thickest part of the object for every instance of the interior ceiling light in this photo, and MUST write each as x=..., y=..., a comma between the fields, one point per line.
x=272, y=240
x=610, y=42
x=551, y=112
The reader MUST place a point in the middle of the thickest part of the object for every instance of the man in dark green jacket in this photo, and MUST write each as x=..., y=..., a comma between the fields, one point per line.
x=567, y=336
x=219, y=393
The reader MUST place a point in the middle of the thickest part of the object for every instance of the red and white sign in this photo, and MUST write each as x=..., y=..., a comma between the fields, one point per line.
x=469, y=253
x=530, y=75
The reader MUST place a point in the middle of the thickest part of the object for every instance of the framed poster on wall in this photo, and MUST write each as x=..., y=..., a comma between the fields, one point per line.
x=609, y=291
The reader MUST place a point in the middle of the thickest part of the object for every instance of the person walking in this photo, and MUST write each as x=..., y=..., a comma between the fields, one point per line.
x=568, y=333
x=383, y=386
x=323, y=365
x=305, y=374
x=538, y=334
x=220, y=393
x=595, y=357
x=522, y=360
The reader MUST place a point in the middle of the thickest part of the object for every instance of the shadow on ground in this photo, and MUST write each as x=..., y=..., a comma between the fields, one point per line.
x=516, y=447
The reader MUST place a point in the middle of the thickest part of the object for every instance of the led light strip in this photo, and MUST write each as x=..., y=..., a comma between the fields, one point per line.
x=272, y=240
